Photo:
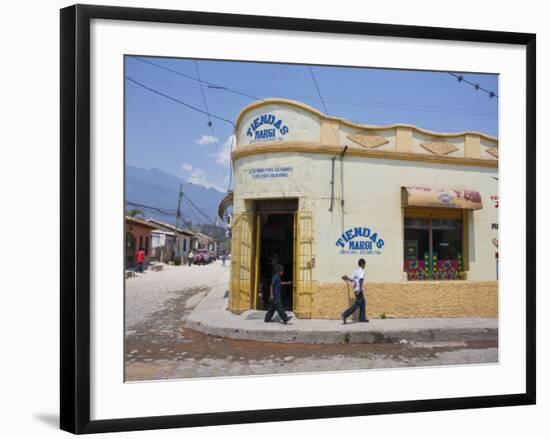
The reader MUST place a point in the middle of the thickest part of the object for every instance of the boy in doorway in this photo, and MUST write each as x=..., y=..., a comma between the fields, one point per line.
x=357, y=279
x=275, y=296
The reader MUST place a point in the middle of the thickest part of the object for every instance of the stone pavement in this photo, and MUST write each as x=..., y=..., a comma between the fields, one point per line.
x=211, y=316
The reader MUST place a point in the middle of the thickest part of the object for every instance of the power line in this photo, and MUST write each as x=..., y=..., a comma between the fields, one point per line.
x=355, y=103
x=210, y=126
x=203, y=96
x=191, y=107
x=318, y=90
x=209, y=84
x=324, y=105
x=156, y=209
x=204, y=215
x=476, y=86
x=160, y=190
x=163, y=189
x=334, y=100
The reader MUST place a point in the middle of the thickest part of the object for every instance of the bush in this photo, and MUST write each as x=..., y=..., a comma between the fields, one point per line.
x=177, y=260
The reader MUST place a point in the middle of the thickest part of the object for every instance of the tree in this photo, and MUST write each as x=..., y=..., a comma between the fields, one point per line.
x=134, y=212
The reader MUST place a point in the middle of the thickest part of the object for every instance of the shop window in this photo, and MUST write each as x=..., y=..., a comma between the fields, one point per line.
x=184, y=245
x=433, y=248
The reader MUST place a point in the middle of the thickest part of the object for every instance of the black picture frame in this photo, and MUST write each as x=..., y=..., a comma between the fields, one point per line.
x=75, y=217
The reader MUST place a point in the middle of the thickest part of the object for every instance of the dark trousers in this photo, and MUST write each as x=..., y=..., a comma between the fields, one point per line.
x=275, y=305
x=359, y=303
x=140, y=267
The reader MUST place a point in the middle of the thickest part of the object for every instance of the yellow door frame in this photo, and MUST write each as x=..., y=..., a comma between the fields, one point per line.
x=257, y=260
x=295, y=259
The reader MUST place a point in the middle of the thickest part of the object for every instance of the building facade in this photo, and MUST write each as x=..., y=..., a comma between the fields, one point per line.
x=138, y=236
x=315, y=193
x=169, y=243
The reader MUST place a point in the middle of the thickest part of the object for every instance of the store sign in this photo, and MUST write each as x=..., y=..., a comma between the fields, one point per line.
x=270, y=172
x=360, y=240
x=266, y=127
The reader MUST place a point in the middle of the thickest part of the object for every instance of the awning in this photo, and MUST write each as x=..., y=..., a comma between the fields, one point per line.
x=428, y=197
x=225, y=203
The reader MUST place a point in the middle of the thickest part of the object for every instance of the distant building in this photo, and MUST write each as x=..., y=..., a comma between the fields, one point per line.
x=163, y=245
x=170, y=243
x=138, y=236
x=200, y=240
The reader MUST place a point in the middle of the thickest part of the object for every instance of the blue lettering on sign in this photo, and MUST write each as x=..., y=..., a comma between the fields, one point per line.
x=360, y=240
x=269, y=126
x=274, y=172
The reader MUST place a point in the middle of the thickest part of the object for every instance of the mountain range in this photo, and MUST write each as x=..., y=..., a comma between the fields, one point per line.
x=155, y=192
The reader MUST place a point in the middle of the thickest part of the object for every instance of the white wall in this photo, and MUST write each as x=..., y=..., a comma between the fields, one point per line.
x=29, y=365
x=371, y=189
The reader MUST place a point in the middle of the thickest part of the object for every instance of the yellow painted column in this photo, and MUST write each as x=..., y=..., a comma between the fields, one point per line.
x=472, y=146
x=403, y=139
x=330, y=130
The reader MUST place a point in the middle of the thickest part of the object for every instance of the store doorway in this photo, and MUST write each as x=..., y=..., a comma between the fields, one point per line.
x=274, y=246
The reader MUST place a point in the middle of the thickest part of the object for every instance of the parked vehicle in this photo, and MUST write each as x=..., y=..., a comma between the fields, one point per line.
x=202, y=256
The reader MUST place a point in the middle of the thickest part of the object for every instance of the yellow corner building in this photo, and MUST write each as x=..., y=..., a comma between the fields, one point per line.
x=315, y=193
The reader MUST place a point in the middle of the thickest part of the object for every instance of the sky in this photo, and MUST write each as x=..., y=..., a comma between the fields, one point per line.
x=164, y=134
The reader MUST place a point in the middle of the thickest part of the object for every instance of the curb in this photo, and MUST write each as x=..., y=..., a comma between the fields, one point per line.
x=288, y=335
x=211, y=316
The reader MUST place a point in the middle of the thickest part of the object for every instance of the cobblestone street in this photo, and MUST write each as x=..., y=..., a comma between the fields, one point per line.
x=159, y=346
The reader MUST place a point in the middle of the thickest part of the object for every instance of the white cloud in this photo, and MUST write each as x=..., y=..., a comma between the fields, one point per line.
x=223, y=155
x=206, y=140
x=186, y=167
x=199, y=177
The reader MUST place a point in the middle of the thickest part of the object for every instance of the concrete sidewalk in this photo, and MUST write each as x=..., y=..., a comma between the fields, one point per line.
x=212, y=316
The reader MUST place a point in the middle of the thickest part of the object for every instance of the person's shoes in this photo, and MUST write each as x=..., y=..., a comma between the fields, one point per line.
x=343, y=318
x=267, y=320
x=287, y=320
x=364, y=321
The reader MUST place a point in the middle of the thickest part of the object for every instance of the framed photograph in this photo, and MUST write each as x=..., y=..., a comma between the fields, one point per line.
x=274, y=218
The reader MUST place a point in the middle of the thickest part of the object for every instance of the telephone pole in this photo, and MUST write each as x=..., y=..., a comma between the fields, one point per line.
x=180, y=197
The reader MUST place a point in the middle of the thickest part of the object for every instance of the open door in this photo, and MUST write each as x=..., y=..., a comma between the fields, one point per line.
x=303, y=263
x=241, y=262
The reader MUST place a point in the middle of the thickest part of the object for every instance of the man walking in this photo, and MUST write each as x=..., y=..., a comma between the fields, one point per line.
x=357, y=279
x=190, y=258
x=275, y=297
x=140, y=257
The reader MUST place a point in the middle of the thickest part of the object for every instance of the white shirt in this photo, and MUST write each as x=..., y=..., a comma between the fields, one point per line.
x=357, y=276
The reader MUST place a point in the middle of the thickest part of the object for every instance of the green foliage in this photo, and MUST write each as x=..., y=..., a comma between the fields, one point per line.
x=134, y=212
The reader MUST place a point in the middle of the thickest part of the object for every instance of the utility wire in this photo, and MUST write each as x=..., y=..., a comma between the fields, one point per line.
x=174, y=85
x=204, y=215
x=156, y=209
x=476, y=86
x=191, y=107
x=152, y=90
x=203, y=96
x=151, y=187
x=209, y=84
x=318, y=90
x=324, y=105
x=210, y=126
